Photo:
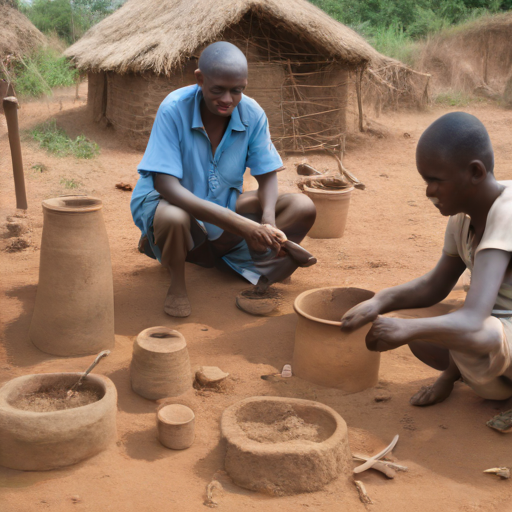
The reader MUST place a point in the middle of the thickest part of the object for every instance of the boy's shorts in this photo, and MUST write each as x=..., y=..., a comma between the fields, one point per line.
x=485, y=374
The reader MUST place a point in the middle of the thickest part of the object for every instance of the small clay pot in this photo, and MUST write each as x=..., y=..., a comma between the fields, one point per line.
x=325, y=355
x=284, y=467
x=37, y=441
x=74, y=309
x=331, y=211
x=176, y=425
x=160, y=364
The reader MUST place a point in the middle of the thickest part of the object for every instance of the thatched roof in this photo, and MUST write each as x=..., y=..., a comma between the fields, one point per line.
x=158, y=35
x=17, y=34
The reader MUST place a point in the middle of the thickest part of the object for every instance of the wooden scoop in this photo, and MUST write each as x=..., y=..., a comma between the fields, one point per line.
x=78, y=383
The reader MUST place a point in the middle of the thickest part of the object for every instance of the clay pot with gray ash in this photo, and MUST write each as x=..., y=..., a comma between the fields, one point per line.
x=41, y=428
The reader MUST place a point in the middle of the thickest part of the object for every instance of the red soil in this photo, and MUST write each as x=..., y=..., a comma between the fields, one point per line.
x=393, y=234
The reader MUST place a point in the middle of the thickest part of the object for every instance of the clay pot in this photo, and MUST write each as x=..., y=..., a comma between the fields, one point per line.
x=284, y=467
x=323, y=354
x=160, y=365
x=74, y=309
x=176, y=424
x=331, y=211
x=37, y=441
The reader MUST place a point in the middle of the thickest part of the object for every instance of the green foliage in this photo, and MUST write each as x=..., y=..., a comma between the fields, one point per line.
x=56, y=141
x=392, y=26
x=70, y=19
x=393, y=42
x=38, y=74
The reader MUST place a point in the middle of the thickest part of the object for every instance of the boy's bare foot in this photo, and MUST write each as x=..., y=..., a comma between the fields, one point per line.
x=177, y=306
x=430, y=395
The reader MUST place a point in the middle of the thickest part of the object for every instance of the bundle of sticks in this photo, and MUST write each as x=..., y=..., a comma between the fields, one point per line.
x=330, y=180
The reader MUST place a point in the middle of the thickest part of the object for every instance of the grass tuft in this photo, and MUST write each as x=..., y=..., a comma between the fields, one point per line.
x=70, y=183
x=36, y=75
x=394, y=42
x=56, y=141
x=453, y=99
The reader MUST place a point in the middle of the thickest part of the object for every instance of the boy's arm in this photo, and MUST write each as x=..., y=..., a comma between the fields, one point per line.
x=459, y=330
x=422, y=292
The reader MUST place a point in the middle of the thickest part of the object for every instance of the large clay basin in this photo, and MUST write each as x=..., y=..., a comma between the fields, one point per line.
x=37, y=441
x=284, y=467
x=323, y=354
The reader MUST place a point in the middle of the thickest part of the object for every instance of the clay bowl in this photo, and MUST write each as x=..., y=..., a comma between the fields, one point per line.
x=284, y=445
x=175, y=424
x=37, y=441
x=325, y=355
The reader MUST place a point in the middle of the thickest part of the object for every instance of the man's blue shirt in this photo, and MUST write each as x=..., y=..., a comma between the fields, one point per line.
x=179, y=146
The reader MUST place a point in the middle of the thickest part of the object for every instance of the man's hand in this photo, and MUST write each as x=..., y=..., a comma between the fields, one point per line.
x=360, y=315
x=260, y=237
x=386, y=334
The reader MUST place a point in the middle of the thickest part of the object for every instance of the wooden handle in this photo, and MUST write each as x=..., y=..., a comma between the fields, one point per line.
x=10, y=105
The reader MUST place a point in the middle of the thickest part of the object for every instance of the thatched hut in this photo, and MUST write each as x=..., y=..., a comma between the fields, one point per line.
x=18, y=37
x=17, y=34
x=301, y=63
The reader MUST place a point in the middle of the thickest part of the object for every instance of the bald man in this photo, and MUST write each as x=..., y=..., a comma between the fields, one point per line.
x=188, y=202
x=456, y=160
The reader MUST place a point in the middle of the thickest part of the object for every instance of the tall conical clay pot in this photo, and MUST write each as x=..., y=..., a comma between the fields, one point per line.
x=74, y=310
x=331, y=211
x=325, y=355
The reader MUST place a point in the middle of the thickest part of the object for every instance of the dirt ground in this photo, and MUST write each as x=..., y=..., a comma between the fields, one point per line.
x=393, y=235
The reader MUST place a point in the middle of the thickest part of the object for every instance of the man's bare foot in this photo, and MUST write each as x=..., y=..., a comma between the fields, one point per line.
x=177, y=306
x=430, y=395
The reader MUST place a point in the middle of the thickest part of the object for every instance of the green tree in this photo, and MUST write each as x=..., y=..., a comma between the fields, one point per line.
x=70, y=19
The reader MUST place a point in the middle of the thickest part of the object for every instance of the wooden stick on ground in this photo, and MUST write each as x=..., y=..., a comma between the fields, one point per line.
x=363, y=495
x=10, y=105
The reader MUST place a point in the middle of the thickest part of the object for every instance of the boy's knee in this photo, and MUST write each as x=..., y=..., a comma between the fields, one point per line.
x=169, y=217
x=494, y=333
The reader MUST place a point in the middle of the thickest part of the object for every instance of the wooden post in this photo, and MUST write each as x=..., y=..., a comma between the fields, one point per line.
x=10, y=105
x=359, y=79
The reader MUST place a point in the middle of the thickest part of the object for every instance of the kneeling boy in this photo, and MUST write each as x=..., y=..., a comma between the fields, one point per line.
x=455, y=158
